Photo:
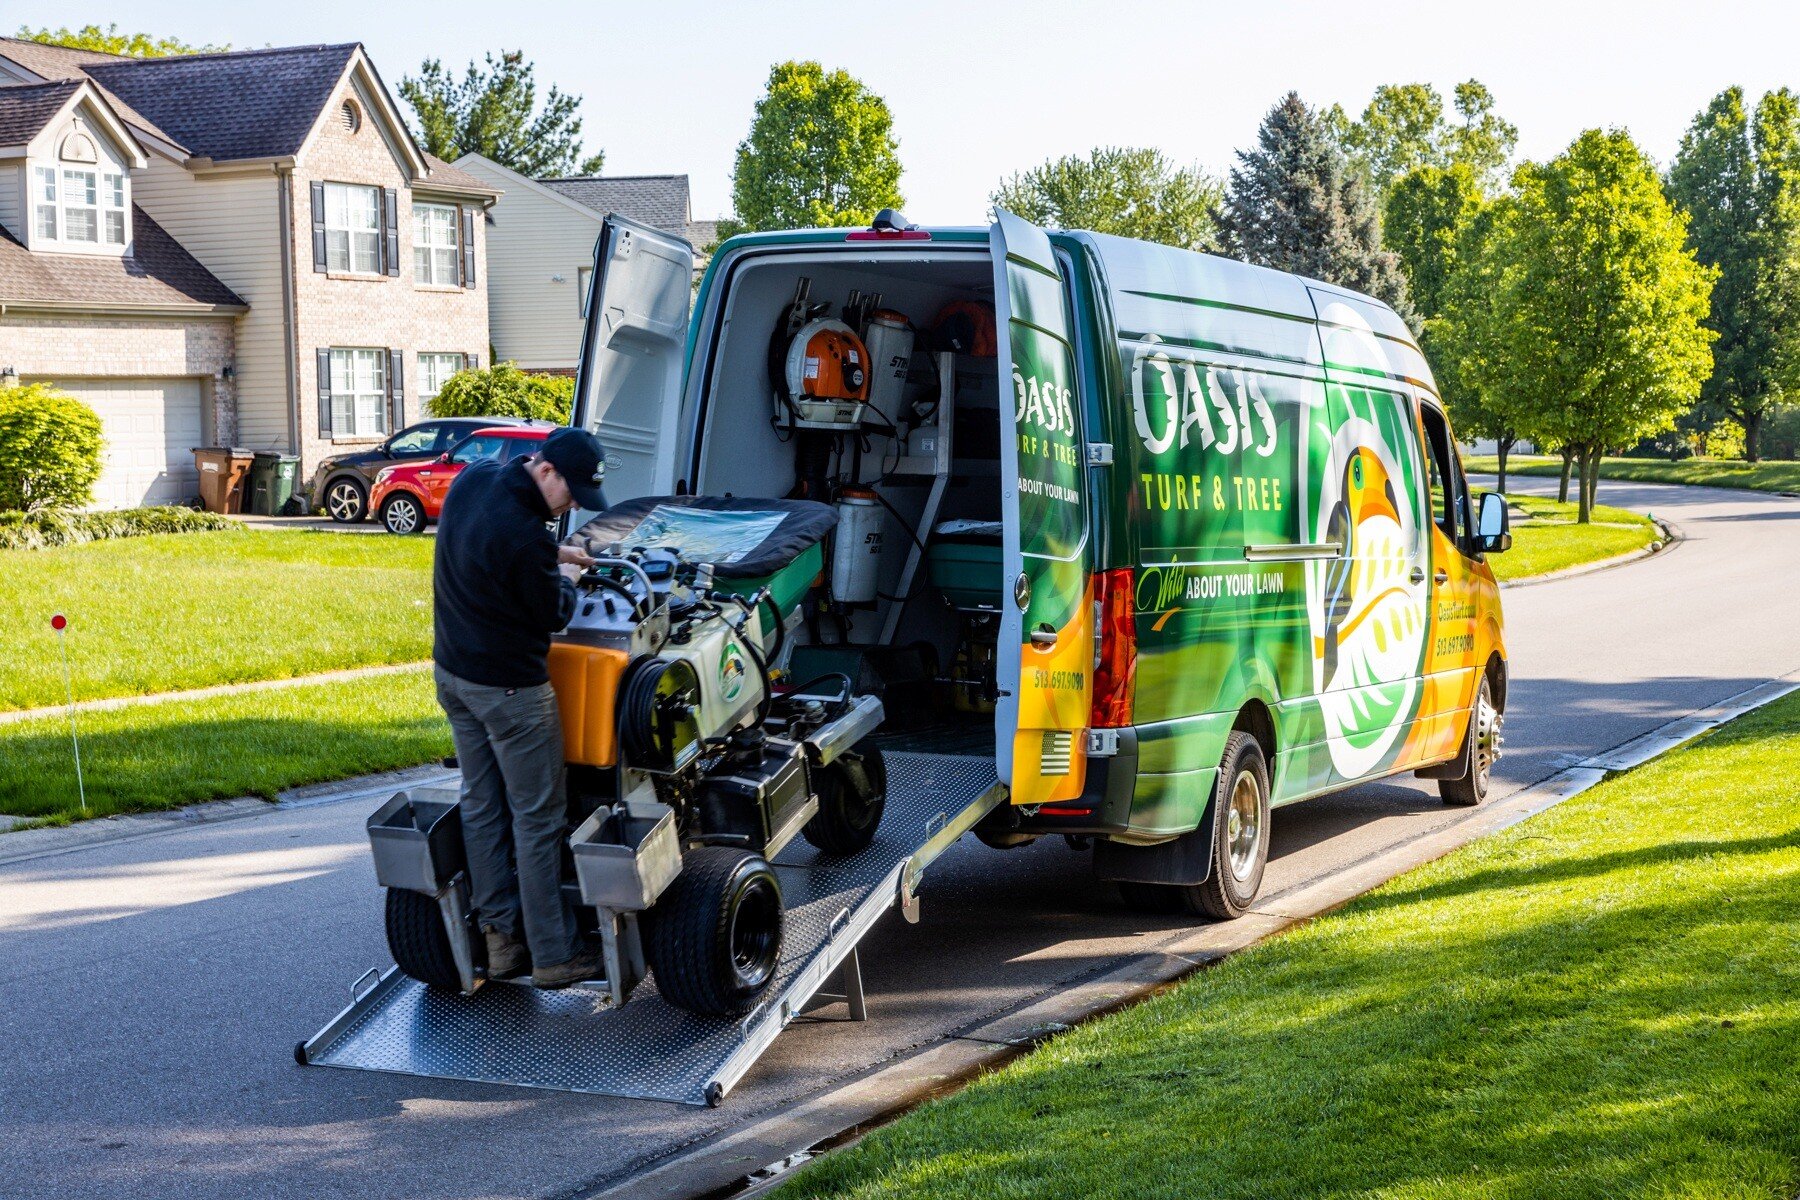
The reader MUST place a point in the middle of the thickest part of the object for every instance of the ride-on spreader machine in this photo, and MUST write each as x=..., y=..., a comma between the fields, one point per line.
x=691, y=763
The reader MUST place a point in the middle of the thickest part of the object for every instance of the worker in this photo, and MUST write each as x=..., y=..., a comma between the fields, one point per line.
x=503, y=586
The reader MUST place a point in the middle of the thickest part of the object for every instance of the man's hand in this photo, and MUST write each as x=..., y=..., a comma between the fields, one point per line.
x=570, y=571
x=566, y=553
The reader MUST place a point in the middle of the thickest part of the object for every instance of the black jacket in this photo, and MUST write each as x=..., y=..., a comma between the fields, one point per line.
x=498, y=594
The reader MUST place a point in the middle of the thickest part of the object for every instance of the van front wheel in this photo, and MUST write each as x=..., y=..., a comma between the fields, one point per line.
x=1240, y=843
x=1480, y=752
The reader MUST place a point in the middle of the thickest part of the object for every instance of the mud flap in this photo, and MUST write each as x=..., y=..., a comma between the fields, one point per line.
x=1185, y=859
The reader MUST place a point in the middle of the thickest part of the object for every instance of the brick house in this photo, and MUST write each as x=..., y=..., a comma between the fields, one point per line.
x=541, y=252
x=245, y=248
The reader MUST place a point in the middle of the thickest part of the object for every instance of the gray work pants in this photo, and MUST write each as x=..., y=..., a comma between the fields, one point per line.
x=510, y=747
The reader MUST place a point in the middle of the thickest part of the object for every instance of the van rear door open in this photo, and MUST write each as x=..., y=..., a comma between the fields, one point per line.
x=633, y=343
x=1046, y=641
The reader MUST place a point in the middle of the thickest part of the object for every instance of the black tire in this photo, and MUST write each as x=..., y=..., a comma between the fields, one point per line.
x=715, y=935
x=345, y=500
x=403, y=513
x=847, y=821
x=416, y=939
x=1479, y=746
x=1232, y=881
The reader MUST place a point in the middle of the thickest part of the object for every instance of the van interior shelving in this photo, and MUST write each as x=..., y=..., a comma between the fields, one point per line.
x=931, y=646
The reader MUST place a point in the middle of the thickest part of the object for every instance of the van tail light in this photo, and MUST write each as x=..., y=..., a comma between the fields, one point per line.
x=1115, y=656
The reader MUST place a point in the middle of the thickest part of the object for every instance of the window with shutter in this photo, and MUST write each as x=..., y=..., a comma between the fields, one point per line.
x=318, y=223
x=324, y=390
x=468, y=247
x=390, y=231
x=396, y=381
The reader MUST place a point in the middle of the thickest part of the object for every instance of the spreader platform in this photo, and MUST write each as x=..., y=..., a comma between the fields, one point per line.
x=648, y=1049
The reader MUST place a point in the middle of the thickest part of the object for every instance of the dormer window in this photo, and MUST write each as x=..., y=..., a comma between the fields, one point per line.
x=44, y=202
x=81, y=206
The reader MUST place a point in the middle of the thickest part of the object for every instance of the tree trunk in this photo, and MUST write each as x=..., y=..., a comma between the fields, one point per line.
x=1562, y=488
x=1502, y=447
x=1590, y=483
x=1752, y=431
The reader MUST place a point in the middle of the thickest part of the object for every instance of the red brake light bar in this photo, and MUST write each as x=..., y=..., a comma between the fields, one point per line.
x=1115, y=666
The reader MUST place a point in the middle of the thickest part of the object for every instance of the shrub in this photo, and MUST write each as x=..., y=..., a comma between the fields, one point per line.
x=1781, y=433
x=63, y=527
x=503, y=390
x=49, y=449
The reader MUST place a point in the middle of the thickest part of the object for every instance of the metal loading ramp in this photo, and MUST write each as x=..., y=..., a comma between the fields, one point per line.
x=648, y=1049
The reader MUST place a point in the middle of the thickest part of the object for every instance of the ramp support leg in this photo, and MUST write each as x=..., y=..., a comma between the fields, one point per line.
x=853, y=987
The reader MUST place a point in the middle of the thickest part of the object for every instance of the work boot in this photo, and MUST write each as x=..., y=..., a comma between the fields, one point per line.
x=506, y=955
x=584, y=966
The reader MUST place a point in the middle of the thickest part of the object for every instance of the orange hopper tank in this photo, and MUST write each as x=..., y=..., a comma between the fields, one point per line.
x=586, y=680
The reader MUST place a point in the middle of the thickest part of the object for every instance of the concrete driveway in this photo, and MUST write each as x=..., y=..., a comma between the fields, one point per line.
x=158, y=985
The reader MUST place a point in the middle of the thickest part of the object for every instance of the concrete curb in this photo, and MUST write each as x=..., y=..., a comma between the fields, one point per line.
x=1672, y=536
x=111, y=703
x=839, y=1116
x=22, y=844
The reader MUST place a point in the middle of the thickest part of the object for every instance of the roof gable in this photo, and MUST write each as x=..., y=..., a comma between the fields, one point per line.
x=235, y=105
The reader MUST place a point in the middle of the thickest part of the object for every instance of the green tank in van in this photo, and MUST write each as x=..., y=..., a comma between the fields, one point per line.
x=1237, y=562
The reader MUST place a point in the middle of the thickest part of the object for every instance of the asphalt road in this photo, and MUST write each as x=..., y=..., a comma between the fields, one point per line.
x=155, y=987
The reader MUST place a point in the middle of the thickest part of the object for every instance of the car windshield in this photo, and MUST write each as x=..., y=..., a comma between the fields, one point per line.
x=482, y=445
x=417, y=440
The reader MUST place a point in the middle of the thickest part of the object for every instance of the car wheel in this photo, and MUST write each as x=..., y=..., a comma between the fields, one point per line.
x=1482, y=748
x=346, y=500
x=402, y=513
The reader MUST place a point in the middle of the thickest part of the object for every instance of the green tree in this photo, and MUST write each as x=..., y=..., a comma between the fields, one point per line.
x=111, y=41
x=1427, y=211
x=821, y=152
x=1738, y=178
x=1130, y=192
x=49, y=449
x=1600, y=304
x=503, y=390
x=1484, y=141
x=1465, y=339
x=1294, y=204
x=493, y=112
x=1404, y=128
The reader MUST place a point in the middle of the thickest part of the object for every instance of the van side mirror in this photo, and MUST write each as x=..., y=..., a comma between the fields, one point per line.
x=1493, y=528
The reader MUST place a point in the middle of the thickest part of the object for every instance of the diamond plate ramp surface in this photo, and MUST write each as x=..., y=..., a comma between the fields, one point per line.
x=648, y=1049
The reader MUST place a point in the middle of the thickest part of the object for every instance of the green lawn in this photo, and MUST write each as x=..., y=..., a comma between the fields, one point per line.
x=1603, y=1001
x=173, y=611
x=152, y=756
x=1548, y=539
x=1714, y=472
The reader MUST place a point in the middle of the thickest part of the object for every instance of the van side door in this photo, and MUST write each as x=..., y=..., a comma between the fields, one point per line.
x=1046, y=642
x=633, y=351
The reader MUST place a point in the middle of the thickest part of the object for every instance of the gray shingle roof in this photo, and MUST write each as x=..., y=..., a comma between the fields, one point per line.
x=452, y=179
x=240, y=104
x=659, y=200
x=158, y=273
x=25, y=109
x=61, y=62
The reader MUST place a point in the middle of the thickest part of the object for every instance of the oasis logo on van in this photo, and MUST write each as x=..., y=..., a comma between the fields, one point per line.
x=1048, y=405
x=1174, y=405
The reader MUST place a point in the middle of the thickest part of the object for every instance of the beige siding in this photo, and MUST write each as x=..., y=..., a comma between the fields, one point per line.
x=533, y=320
x=232, y=226
x=12, y=185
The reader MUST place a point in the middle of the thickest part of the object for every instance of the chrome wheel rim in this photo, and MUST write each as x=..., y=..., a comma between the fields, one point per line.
x=403, y=516
x=1244, y=825
x=343, y=502
x=1487, y=739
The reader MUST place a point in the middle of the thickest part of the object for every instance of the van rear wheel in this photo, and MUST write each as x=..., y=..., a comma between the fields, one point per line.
x=1240, y=843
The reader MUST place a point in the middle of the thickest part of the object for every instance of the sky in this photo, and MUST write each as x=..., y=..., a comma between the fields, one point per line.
x=982, y=90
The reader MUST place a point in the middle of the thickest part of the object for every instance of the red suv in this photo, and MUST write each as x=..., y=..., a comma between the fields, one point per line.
x=408, y=496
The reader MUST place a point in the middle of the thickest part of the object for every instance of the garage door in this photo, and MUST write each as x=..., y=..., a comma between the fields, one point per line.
x=151, y=428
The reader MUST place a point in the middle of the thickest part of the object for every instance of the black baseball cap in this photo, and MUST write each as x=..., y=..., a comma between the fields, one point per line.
x=578, y=458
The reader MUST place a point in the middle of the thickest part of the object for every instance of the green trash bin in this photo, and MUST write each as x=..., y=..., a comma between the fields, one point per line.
x=272, y=482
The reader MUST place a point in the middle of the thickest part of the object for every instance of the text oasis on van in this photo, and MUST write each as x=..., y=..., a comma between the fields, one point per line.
x=1222, y=411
